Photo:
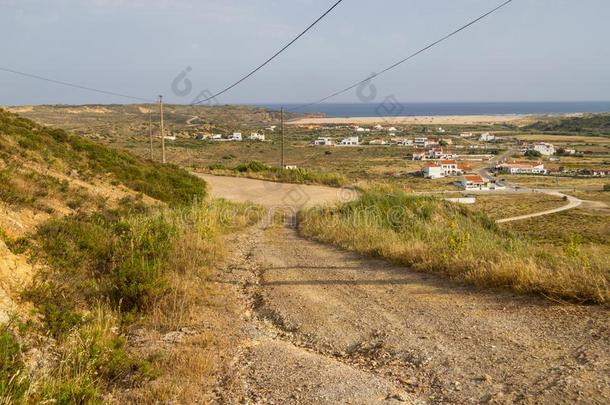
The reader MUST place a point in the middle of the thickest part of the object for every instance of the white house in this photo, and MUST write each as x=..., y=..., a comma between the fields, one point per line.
x=451, y=168
x=215, y=137
x=433, y=171
x=350, y=141
x=235, y=136
x=440, y=130
x=545, y=149
x=521, y=168
x=487, y=137
x=421, y=142
x=254, y=136
x=323, y=141
x=392, y=129
x=444, y=168
x=474, y=182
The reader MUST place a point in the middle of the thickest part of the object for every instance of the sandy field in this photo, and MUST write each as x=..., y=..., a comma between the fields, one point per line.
x=427, y=120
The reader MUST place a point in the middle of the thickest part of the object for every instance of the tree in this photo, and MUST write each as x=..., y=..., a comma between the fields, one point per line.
x=533, y=153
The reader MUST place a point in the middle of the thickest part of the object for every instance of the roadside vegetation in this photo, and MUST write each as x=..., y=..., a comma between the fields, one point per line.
x=104, y=272
x=432, y=235
x=258, y=170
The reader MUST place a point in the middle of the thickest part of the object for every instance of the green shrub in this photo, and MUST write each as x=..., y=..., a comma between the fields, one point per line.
x=13, y=376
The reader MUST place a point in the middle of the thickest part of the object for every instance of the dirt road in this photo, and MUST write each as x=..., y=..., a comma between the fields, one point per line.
x=270, y=194
x=321, y=325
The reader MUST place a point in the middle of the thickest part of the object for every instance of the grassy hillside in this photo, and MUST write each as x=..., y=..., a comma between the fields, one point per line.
x=100, y=270
x=432, y=235
x=23, y=141
x=589, y=124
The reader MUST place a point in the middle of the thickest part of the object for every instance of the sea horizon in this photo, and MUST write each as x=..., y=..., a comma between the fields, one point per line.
x=405, y=109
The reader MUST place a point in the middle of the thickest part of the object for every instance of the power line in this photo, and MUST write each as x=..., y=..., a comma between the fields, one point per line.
x=271, y=58
x=400, y=62
x=76, y=86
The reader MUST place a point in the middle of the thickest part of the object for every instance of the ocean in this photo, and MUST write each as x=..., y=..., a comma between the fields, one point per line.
x=434, y=109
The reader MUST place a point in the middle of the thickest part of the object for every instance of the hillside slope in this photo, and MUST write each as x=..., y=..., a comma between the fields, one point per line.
x=94, y=241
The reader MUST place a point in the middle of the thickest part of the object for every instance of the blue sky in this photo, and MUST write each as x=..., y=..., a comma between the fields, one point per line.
x=551, y=50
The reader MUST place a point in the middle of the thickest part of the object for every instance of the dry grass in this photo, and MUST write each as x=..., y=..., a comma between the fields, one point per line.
x=500, y=206
x=431, y=235
x=557, y=182
x=564, y=138
x=591, y=226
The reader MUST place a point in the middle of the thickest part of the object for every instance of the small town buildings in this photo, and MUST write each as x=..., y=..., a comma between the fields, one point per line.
x=402, y=141
x=474, y=182
x=466, y=134
x=598, y=172
x=521, y=168
x=392, y=129
x=360, y=129
x=235, y=136
x=433, y=154
x=487, y=137
x=254, y=136
x=378, y=142
x=378, y=127
x=545, y=149
x=440, y=130
x=323, y=141
x=350, y=141
x=215, y=137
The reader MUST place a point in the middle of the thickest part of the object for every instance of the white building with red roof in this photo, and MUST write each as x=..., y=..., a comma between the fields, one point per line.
x=474, y=182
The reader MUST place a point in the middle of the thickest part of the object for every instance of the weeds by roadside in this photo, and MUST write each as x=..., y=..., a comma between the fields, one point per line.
x=108, y=273
x=258, y=170
x=432, y=235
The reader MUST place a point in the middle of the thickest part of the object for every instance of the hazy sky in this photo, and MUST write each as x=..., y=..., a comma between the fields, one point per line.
x=532, y=50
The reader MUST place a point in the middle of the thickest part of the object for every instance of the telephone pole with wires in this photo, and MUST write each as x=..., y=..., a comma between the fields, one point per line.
x=282, y=163
x=150, y=133
x=162, y=130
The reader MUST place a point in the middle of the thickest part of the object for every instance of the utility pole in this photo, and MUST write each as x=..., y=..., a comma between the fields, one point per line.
x=162, y=131
x=282, y=129
x=150, y=132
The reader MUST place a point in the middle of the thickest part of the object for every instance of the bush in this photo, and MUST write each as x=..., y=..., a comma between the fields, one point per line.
x=13, y=376
x=533, y=154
